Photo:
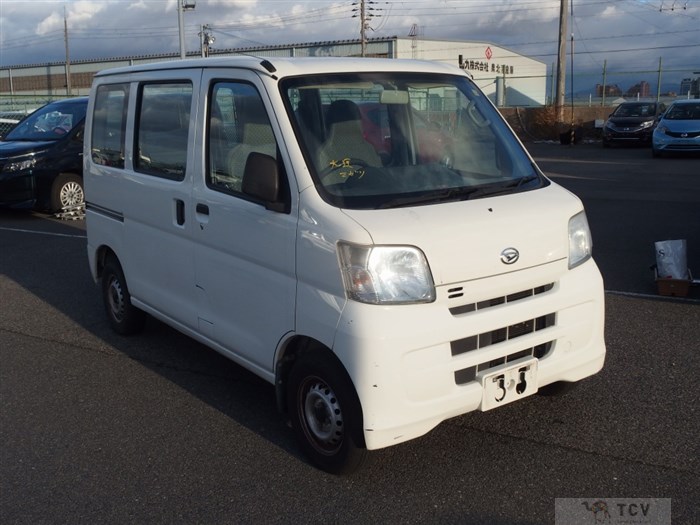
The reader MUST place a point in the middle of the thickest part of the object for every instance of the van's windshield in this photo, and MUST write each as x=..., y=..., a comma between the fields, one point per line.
x=384, y=140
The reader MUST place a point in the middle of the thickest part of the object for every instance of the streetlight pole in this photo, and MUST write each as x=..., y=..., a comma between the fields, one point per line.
x=182, y=6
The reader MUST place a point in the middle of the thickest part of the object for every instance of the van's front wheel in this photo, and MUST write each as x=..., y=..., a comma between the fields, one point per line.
x=326, y=413
x=124, y=318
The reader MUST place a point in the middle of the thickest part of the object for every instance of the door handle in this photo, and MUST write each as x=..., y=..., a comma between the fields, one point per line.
x=179, y=212
x=202, y=209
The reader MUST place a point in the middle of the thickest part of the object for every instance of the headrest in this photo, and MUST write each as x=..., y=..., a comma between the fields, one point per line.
x=342, y=111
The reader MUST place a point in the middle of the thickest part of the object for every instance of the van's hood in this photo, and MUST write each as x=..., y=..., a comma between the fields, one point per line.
x=464, y=240
x=15, y=148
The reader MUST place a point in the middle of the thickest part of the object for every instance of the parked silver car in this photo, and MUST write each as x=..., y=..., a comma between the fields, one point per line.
x=678, y=129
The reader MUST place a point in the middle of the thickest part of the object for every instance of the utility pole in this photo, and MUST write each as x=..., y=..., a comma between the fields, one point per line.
x=605, y=74
x=364, y=22
x=205, y=40
x=363, y=28
x=658, y=84
x=69, y=88
x=561, y=62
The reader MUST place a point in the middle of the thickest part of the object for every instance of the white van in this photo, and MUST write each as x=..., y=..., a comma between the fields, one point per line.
x=368, y=235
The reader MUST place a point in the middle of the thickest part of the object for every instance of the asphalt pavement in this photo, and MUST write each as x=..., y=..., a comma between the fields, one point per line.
x=97, y=428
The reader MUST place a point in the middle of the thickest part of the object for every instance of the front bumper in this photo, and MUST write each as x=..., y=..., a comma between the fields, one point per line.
x=634, y=135
x=415, y=366
x=17, y=190
x=663, y=142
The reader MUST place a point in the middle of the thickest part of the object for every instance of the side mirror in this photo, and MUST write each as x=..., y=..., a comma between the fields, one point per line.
x=263, y=182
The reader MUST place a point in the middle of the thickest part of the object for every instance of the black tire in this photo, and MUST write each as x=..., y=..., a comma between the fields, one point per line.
x=557, y=389
x=326, y=414
x=66, y=192
x=124, y=318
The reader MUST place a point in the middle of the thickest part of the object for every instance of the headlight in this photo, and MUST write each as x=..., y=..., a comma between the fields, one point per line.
x=610, y=125
x=661, y=129
x=385, y=274
x=647, y=124
x=20, y=165
x=580, y=241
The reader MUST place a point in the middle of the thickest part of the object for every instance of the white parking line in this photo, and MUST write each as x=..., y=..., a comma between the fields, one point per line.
x=653, y=296
x=43, y=233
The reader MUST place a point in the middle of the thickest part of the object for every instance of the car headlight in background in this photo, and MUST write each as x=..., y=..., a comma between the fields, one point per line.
x=19, y=165
x=385, y=274
x=580, y=241
x=647, y=124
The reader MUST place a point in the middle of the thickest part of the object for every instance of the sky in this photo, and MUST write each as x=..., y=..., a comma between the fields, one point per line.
x=627, y=37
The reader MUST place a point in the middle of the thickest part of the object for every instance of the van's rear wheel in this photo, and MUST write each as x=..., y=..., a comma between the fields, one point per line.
x=124, y=318
x=66, y=192
x=326, y=414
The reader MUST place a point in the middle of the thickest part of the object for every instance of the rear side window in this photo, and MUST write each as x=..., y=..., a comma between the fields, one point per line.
x=109, y=125
x=162, y=130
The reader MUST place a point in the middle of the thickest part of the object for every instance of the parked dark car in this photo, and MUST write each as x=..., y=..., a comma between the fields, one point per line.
x=41, y=158
x=631, y=123
x=678, y=130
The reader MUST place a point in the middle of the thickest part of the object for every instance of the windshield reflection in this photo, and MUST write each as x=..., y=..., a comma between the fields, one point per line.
x=51, y=122
x=387, y=140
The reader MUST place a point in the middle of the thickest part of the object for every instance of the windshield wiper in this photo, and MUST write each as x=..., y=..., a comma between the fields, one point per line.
x=427, y=198
x=505, y=188
x=458, y=194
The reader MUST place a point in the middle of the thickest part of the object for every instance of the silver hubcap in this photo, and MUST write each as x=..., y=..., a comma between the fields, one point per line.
x=323, y=416
x=115, y=297
x=71, y=194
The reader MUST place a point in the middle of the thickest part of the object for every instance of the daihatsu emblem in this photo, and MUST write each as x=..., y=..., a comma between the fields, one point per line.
x=684, y=135
x=510, y=256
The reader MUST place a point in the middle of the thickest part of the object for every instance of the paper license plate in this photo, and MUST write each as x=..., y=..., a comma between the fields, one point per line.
x=508, y=383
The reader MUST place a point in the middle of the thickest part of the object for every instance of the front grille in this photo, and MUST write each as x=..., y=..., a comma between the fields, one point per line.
x=499, y=335
x=466, y=375
x=679, y=134
x=454, y=293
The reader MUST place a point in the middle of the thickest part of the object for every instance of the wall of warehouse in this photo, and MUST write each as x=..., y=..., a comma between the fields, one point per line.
x=506, y=77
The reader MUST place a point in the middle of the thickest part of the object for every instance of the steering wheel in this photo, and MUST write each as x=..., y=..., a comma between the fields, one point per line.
x=344, y=169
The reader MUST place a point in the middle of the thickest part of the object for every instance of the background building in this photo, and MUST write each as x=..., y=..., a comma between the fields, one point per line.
x=690, y=86
x=609, y=91
x=508, y=78
x=641, y=90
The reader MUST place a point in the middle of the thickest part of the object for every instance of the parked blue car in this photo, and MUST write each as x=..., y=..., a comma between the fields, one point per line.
x=678, y=129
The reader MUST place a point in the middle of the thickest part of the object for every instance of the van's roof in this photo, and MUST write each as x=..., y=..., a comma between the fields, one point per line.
x=284, y=66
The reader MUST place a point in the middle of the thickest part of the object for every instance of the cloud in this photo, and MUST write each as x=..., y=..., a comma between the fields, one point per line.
x=83, y=10
x=76, y=13
x=140, y=5
x=51, y=23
